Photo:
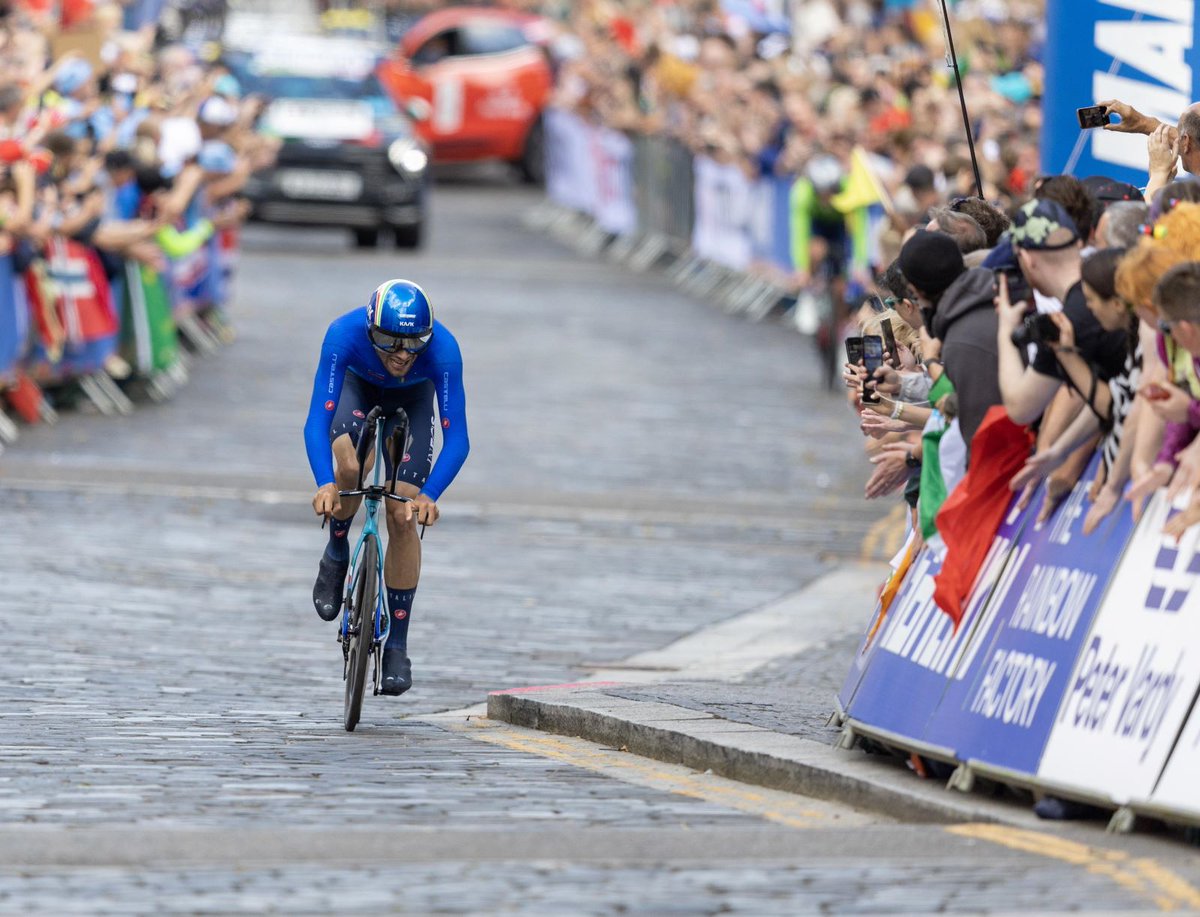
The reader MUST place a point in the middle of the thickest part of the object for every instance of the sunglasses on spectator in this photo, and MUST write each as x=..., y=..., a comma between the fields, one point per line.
x=393, y=343
x=877, y=304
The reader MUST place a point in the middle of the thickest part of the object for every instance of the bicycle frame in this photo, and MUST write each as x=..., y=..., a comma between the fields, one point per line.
x=373, y=496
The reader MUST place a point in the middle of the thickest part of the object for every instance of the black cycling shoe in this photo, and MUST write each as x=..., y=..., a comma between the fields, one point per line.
x=327, y=593
x=397, y=672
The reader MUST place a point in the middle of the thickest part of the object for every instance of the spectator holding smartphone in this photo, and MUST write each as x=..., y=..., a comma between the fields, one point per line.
x=956, y=304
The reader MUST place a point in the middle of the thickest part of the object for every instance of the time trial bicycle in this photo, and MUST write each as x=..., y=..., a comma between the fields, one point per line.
x=365, y=621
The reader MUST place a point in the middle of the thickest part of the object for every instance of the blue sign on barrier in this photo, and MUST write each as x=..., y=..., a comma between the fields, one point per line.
x=1142, y=52
x=1000, y=705
x=10, y=337
x=918, y=648
x=781, y=224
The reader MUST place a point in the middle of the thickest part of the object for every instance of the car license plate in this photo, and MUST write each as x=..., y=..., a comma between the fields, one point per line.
x=311, y=183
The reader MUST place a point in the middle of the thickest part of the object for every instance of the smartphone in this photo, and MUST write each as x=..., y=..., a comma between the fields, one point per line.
x=1092, y=116
x=854, y=350
x=889, y=341
x=873, y=360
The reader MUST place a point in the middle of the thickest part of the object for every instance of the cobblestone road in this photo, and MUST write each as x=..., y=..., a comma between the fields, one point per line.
x=642, y=467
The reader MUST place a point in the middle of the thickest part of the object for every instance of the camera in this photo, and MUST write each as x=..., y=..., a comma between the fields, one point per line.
x=1037, y=328
x=1018, y=287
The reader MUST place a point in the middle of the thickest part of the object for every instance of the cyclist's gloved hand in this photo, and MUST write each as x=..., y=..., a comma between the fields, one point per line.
x=424, y=510
x=327, y=502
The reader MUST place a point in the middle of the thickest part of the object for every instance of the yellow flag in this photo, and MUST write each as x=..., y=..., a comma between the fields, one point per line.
x=861, y=189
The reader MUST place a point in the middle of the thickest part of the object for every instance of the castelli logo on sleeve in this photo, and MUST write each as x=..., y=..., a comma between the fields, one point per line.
x=329, y=405
x=360, y=415
x=445, y=423
x=407, y=458
x=401, y=614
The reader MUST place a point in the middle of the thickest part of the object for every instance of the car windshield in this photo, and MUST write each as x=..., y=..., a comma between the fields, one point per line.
x=303, y=86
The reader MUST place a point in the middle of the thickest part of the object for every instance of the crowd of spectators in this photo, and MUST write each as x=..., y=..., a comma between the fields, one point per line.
x=849, y=73
x=120, y=166
x=1064, y=301
x=1080, y=322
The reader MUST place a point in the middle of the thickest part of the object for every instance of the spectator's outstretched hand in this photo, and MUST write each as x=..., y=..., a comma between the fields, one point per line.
x=1037, y=467
x=891, y=470
x=1008, y=312
x=1185, y=520
x=878, y=426
x=1146, y=485
x=1187, y=475
x=1102, y=504
x=1174, y=407
x=1132, y=121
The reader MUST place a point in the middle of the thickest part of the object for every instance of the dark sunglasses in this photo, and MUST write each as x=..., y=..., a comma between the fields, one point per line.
x=394, y=343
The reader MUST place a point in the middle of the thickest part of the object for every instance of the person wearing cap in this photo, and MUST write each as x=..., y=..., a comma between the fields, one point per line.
x=1049, y=253
x=956, y=306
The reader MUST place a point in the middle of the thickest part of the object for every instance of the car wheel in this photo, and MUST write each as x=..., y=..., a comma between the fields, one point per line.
x=366, y=238
x=533, y=160
x=410, y=236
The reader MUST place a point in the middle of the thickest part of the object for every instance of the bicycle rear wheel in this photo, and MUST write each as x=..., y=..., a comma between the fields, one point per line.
x=364, y=596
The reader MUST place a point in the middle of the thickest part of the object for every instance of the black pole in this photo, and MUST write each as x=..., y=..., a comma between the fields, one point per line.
x=962, y=99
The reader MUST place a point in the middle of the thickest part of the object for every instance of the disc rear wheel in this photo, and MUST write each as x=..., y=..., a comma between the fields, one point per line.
x=364, y=596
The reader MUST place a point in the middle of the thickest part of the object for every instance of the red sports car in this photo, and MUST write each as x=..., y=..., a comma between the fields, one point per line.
x=485, y=78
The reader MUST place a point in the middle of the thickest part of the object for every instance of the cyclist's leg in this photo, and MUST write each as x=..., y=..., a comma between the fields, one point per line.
x=344, y=429
x=402, y=560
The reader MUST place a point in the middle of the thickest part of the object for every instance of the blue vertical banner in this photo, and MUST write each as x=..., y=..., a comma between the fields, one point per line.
x=1143, y=52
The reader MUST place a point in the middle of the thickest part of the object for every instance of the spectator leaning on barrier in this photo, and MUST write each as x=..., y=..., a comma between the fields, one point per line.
x=1120, y=225
x=1048, y=249
x=992, y=220
x=956, y=303
x=963, y=229
x=1177, y=298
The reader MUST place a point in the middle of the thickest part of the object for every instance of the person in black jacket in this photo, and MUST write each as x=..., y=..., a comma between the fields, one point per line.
x=957, y=307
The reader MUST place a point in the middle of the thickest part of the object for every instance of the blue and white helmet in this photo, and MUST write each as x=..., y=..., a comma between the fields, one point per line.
x=399, y=317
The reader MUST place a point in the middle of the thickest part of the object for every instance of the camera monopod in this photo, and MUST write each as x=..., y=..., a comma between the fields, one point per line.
x=952, y=61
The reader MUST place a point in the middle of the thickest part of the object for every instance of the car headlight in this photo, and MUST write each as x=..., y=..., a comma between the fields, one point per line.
x=406, y=156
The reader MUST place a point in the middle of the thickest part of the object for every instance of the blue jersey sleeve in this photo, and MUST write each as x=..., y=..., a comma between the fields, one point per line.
x=327, y=389
x=452, y=407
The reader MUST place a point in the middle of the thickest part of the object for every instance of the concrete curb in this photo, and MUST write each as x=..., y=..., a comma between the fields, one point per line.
x=748, y=754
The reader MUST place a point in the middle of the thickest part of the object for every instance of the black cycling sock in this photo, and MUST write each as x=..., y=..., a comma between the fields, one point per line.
x=399, y=603
x=339, y=548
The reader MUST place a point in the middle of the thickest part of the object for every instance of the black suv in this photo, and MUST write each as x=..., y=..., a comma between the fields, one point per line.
x=349, y=157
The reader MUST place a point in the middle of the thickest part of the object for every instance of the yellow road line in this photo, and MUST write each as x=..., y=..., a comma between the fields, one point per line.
x=1141, y=876
x=884, y=537
x=772, y=805
x=1144, y=877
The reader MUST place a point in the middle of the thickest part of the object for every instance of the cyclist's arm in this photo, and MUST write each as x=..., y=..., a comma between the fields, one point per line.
x=327, y=390
x=176, y=244
x=452, y=405
x=801, y=218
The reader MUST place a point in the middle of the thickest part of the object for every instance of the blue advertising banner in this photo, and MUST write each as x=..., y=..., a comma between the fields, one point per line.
x=1142, y=52
x=10, y=338
x=918, y=649
x=1000, y=705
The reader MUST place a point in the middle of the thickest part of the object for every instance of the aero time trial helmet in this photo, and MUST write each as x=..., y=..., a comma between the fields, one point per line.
x=399, y=317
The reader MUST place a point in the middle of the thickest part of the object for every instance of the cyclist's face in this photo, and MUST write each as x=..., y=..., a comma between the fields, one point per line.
x=398, y=363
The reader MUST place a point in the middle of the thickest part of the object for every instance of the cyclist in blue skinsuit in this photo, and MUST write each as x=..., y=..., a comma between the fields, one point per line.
x=394, y=354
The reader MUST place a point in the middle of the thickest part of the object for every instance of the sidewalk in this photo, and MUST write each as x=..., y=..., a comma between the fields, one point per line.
x=750, y=700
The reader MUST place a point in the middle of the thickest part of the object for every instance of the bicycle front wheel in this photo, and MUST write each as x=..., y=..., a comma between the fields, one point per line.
x=364, y=596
